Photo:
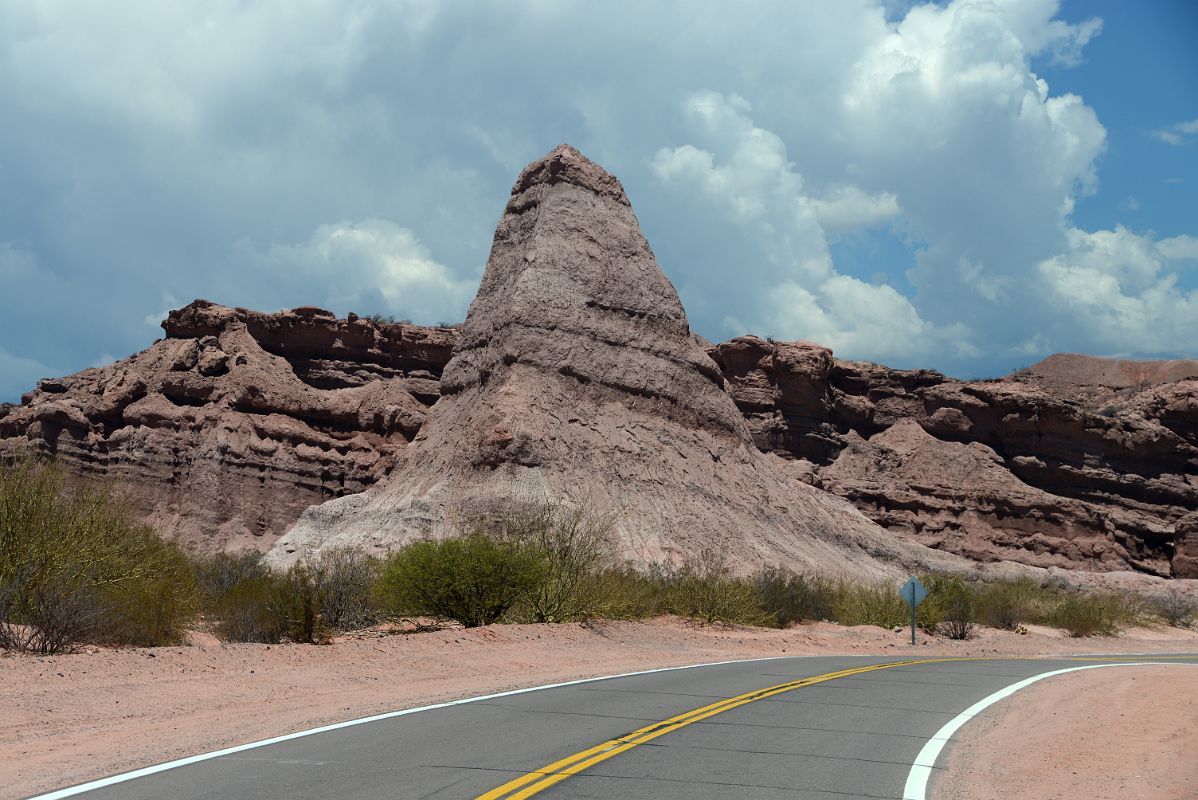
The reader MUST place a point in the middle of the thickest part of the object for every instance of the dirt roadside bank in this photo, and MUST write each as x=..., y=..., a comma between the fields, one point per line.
x=78, y=717
x=1106, y=734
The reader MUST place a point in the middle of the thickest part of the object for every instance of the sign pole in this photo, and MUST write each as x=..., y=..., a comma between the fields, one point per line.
x=913, y=602
x=914, y=593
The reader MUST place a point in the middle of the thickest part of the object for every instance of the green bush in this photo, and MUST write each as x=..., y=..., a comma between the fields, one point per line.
x=1007, y=604
x=877, y=604
x=627, y=593
x=295, y=601
x=951, y=606
x=704, y=590
x=245, y=613
x=788, y=598
x=473, y=579
x=217, y=573
x=76, y=567
x=1089, y=615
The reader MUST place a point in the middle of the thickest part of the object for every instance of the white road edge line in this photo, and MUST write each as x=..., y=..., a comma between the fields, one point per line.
x=921, y=770
x=182, y=762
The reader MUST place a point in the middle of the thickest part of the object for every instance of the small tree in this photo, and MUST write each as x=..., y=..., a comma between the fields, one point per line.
x=295, y=600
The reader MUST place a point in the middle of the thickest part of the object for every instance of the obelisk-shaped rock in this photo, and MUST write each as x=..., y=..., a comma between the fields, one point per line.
x=576, y=379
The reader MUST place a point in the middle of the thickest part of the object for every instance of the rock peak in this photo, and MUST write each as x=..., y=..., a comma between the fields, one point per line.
x=566, y=165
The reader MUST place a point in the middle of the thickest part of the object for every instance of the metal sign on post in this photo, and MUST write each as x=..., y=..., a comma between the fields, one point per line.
x=914, y=592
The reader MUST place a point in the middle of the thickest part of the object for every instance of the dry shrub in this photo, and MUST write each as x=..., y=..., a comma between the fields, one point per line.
x=788, y=598
x=577, y=548
x=1174, y=608
x=344, y=578
x=76, y=567
x=703, y=589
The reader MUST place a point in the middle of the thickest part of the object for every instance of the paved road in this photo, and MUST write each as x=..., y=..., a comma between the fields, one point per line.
x=760, y=730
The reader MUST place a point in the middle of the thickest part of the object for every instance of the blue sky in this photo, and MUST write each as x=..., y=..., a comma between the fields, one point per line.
x=966, y=186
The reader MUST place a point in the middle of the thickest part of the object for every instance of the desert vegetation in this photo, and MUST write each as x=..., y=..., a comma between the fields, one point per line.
x=76, y=568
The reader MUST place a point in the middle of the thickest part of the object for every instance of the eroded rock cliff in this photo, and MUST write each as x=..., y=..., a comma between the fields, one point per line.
x=1078, y=461
x=224, y=431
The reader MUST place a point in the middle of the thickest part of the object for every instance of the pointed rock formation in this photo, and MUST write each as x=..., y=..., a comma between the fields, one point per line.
x=576, y=378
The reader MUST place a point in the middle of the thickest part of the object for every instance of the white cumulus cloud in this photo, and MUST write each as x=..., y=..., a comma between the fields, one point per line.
x=1115, y=291
x=373, y=263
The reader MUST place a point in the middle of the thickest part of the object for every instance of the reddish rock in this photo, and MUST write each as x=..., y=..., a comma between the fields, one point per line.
x=1185, y=561
x=1097, y=459
x=228, y=428
x=576, y=378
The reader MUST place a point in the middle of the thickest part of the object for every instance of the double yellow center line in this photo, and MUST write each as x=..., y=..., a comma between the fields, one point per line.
x=551, y=774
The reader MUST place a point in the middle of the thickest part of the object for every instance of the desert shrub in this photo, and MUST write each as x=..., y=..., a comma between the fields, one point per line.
x=952, y=603
x=1007, y=604
x=576, y=545
x=48, y=614
x=344, y=578
x=703, y=589
x=626, y=593
x=75, y=567
x=1089, y=615
x=295, y=601
x=473, y=579
x=1174, y=608
x=870, y=604
x=217, y=573
x=788, y=598
x=245, y=613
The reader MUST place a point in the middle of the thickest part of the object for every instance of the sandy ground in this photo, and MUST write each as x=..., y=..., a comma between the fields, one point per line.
x=77, y=717
x=1124, y=733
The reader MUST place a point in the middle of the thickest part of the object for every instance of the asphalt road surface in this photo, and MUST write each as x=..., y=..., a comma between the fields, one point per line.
x=817, y=727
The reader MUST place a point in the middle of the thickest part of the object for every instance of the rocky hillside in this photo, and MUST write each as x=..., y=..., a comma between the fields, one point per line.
x=576, y=374
x=1076, y=462
x=229, y=427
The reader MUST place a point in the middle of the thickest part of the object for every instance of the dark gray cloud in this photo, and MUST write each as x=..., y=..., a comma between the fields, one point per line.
x=357, y=155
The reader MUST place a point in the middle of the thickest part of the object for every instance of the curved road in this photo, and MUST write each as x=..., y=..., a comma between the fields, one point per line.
x=815, y=727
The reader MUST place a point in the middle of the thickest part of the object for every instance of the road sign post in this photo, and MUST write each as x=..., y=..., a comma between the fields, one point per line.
x=914, y=593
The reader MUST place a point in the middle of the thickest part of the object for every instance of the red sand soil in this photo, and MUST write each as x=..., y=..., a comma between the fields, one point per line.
x=1106, y=734
x=78, y=717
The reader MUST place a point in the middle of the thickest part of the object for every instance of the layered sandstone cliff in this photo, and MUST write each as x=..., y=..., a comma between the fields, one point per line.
x=224, y=431
x=1079, y=462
